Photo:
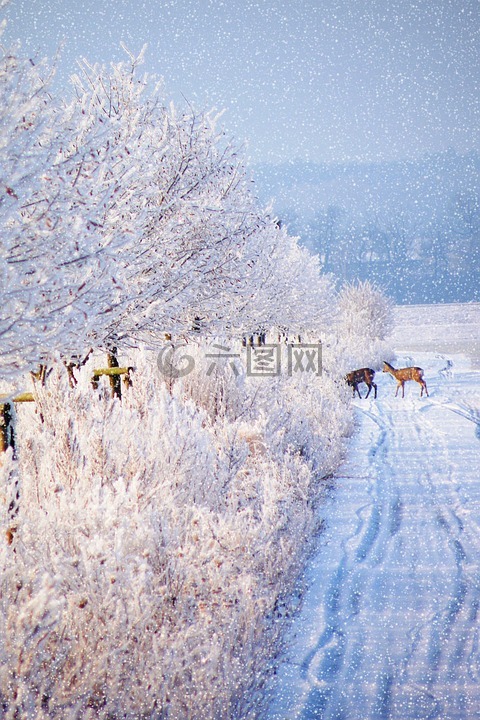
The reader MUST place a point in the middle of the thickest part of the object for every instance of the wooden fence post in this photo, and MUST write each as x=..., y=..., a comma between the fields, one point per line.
x=115, y=380
x=113, y=372
x=7, y=432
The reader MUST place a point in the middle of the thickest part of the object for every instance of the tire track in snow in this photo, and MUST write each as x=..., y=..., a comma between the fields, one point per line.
x=326, y=659
x=395, y=629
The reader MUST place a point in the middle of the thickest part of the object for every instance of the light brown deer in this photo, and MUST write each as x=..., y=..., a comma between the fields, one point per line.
x=404, y=374
x=364, y=375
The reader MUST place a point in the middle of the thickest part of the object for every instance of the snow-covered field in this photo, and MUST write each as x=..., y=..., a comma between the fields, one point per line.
x=390, y=624
x=449, y=329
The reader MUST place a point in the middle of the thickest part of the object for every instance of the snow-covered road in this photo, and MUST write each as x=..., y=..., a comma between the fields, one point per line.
x=390, y=625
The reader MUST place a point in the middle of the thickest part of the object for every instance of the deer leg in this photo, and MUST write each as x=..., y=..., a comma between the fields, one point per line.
x=369, y=391
x=358, y=391
x=375, y=388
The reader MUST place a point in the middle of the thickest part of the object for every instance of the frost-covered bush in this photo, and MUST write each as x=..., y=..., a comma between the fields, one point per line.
x=218, y=382
x=363, y=323
x=157, y=539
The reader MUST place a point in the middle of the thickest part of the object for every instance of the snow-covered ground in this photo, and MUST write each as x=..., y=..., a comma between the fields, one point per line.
x=390, y=624
x=449, y=329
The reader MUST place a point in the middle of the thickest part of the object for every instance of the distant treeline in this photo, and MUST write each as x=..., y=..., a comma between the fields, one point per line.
x=413, y=227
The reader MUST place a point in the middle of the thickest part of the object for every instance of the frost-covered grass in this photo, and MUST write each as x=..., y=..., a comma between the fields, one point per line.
x=158, y=539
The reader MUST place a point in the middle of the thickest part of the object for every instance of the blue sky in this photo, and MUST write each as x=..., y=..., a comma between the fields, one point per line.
x=319, y=80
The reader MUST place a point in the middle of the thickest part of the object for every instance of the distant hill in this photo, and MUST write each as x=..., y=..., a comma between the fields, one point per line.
x=412, y=226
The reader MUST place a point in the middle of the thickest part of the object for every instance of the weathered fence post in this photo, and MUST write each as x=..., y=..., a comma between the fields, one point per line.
x=127, y=378
x=113, y=372
x=7, y=418
x=115, y=380
x=7, y=431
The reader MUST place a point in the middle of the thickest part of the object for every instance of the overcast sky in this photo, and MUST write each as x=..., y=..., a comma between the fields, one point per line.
x=320, y=80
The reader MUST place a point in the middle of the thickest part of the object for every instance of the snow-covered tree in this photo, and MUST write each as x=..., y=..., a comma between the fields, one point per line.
x=364, y=321
x=28, y=313
x=198, y=254
x=203, y=247
x=293, y=296
x=63, y=209
x=126, y=219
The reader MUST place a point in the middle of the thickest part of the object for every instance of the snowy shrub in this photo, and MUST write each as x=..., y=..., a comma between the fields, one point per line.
x=218, y=382
x=155, y=539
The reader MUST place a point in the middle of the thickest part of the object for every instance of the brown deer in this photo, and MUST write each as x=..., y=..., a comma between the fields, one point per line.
x=404, y=374
x=356, y=377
